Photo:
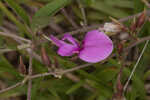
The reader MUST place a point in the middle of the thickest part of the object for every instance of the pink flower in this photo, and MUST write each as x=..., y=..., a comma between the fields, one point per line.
x=95, y=47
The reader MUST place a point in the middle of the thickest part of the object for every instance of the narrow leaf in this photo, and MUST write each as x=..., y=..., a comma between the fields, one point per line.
x=42, y=17
x=19, y=10
x=112, y=11
x=7, y=67
x=75, y=86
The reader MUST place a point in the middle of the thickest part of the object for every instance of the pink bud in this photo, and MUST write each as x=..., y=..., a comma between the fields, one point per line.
x=22, y=67
x=45, y=57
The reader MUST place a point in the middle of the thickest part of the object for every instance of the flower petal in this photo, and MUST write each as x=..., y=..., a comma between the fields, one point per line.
x=56, y=41
x=70, y=39
x=96, y=47
x=67, y=50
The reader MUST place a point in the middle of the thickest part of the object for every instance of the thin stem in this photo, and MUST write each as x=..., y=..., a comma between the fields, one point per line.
x=76, y=68
x=30, y=80
x=81, y=30
x=137, y=42
x=11, y=87
x=85, y=29
x=146, y=3
x=6, y=50
x=56, y=27
x=135, y=66
x=14, y=36
x=133, y=16
x=72, y=22
x=62, y=72
x=83, y=12
x=42, y=75
x=88, y=28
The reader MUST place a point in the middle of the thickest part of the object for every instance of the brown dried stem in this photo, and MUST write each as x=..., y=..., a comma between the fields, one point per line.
x=137, y=42
x=14, y=36
x=72, y=22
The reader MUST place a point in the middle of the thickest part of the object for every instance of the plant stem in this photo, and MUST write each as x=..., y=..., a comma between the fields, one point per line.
x=30, y=80
x=14, y=36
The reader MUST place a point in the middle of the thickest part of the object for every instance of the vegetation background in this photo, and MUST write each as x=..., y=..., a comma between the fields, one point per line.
x=30, y=68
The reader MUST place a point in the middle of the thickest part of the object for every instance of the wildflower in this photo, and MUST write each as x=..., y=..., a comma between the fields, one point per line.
x=95, y=47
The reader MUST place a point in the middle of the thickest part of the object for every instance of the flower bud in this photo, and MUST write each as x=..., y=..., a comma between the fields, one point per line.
x=138, y=23
x=45, y=57
x=133, y=26
x=120, y=48
x=22, y=67
x=119, y=87
x=141, y=19
x=111, y=28
x=56, y=64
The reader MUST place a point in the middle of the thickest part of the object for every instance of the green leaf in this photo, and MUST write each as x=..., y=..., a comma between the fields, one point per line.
x=54, y=93
x=102, y=98
x=22, y=28
x=45, y=0
x=19, y=10
x=60, y=85
x=137, y=84
x=75, y=86
x=42, y=17
x=107, y=74
x=106, y=92
x=38, y=67
x=112, y=11
x=35, y=88
x=93, y=96
x=138, y=6
x=120, y=3
x=146, y=75
x=7, y=67
x=93, y=16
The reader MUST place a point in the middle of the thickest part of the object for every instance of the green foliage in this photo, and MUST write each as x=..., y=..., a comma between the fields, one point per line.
x=22, y=28
x=42, y=17
x=5, y=66
x=103, y=7
x=19, y=10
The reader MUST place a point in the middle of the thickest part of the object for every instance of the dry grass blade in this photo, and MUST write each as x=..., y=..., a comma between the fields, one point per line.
x=135, y=66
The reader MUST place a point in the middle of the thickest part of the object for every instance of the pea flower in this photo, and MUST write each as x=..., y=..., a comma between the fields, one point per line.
x=95, y=47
